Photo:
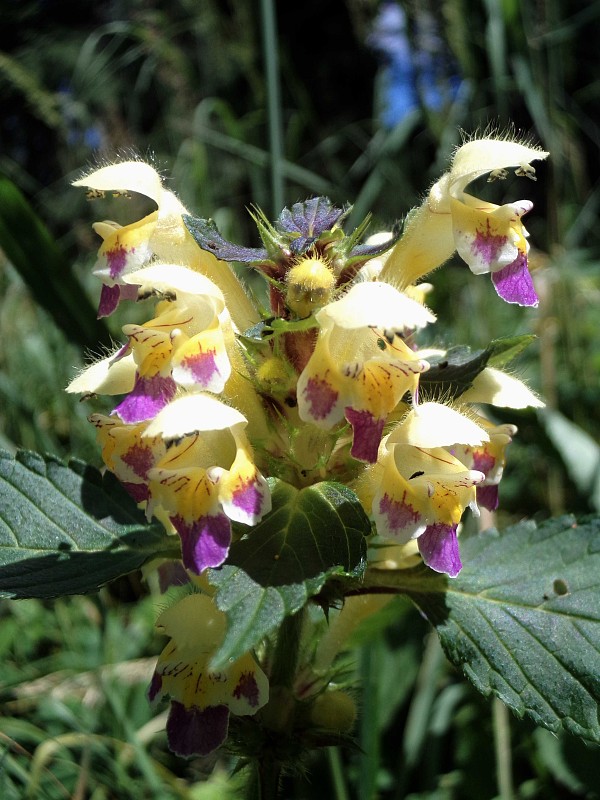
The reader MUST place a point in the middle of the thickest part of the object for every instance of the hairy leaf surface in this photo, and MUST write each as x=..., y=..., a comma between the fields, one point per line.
x=523, y=618
x=310, y=535
x=68, y=529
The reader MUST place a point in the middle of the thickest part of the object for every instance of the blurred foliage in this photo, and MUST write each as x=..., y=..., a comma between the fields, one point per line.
x=183, y=83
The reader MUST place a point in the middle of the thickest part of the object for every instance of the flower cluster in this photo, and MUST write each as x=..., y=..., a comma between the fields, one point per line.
x=216, y=394
x=172, y=443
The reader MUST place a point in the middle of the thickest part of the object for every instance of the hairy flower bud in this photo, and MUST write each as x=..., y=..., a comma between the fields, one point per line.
x=335, y=711
x=310, y=284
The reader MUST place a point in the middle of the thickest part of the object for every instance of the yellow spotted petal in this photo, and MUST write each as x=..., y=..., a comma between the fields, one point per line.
x=151, y=349
x=186, y=493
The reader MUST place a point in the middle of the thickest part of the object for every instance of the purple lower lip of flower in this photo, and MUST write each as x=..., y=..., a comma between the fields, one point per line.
x=193, y=731
x=111, y=296
x=148, y=397
x=487, y=496
x=367, y=431
x=513, y=283
x=438, y=546
x=109, y=300
x=204, y=542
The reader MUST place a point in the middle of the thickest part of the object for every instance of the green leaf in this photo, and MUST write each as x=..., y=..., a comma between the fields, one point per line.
x=453, y=373
x=261, y=333
x=310, y=535
x=209, y=238
x=309, y=222
x=503, y=351
x=523, y=618
x=280, y=326
x=68, y=529
x=33, y=252
x=579, y=452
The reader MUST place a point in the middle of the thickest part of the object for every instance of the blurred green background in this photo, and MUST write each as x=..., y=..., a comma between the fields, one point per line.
x=242, y=103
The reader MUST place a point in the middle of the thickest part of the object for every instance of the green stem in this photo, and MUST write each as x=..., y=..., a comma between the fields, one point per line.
x=273, y=103
x=369, y=729
x=264, y=780
x=337, y=773
x=285, y=658
x=502, y=748
x=278, y=715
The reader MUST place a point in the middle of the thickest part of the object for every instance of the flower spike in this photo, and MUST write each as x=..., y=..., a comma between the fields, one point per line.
x=317, y=390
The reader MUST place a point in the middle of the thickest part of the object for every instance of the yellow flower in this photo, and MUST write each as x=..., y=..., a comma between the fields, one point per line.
x=488, y=237
x=161, y=235
x=127, y=248
x=360, y=368
x=185, y=345
x=192, y=467
x=418, y=489
x=129, y=456
x=206, y=478
x=488, y=458
x=202, y=699
x=492, y=386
